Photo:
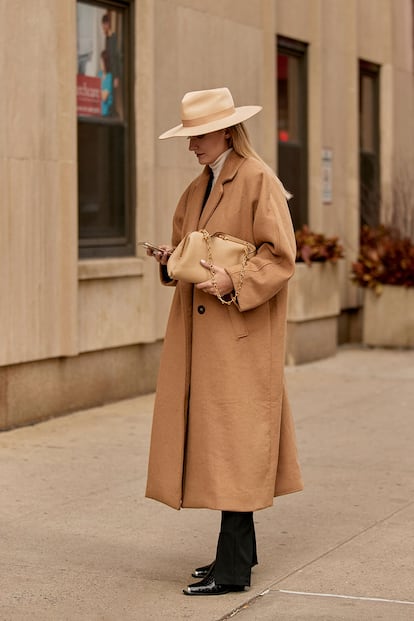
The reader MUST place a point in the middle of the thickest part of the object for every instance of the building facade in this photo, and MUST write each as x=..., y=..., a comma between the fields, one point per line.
x=88, y=87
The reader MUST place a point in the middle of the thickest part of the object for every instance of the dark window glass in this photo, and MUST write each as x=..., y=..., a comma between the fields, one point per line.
x=292, y=126
x=288, y=104
x=369, y=147
x=105, y=145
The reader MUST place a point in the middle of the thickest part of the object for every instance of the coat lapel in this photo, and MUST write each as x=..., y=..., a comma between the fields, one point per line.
x=193, y=212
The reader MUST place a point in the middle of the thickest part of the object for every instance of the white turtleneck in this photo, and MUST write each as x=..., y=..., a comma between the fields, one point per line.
x=218, y=164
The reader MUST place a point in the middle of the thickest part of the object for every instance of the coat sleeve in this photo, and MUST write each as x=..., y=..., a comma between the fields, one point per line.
x=177, y=235
x=268, y=271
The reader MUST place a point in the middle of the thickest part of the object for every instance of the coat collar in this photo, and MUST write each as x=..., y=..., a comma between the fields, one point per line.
x=228, y=172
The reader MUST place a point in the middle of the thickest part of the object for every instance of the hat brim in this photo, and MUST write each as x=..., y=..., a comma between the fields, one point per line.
x=241, y=114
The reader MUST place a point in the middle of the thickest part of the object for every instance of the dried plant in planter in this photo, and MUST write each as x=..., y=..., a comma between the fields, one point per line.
x=316, y=247
x=385, y=258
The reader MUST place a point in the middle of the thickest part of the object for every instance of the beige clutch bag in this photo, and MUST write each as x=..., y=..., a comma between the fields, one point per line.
x=217, y=249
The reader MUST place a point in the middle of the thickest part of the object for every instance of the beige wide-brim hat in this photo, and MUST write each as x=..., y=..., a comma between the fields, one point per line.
x=203, y=112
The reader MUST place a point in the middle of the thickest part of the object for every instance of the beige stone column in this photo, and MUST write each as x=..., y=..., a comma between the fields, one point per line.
x=398, y=126
x=38, y=201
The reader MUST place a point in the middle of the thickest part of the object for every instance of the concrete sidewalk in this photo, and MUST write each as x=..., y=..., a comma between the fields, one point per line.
x=80, y=542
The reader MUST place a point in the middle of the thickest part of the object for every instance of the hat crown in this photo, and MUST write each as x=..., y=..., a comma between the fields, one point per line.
x=205, y=106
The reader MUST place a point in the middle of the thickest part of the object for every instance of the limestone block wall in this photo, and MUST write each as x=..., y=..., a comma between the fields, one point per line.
x=401, y=76
x=52, y=304
x=38, y=235
x=74, y=313
x=339, y=34
x=200, y=45
x=72, y=333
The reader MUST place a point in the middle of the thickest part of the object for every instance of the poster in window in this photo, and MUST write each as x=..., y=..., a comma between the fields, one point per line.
x=99, y=59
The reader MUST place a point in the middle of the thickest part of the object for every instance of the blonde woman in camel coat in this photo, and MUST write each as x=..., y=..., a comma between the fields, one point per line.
x=223, y=436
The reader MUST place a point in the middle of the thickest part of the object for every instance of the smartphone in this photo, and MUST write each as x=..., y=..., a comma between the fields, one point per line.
x=152, y=247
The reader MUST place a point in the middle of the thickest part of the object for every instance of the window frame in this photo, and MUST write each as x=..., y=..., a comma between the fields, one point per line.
x=122, y=245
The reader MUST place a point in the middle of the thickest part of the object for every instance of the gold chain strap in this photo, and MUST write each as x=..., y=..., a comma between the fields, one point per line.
x=233, y=299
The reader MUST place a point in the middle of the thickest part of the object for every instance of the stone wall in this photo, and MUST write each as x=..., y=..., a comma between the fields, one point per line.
x=56, y=308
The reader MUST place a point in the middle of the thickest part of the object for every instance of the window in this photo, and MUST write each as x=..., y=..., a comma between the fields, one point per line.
x=105, y=128
x=369, y=177
x=292, y=126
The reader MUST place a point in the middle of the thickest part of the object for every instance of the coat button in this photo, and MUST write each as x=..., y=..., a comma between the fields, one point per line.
x=201, y=309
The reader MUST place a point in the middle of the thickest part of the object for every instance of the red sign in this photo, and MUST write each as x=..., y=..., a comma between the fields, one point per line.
x=88, y=95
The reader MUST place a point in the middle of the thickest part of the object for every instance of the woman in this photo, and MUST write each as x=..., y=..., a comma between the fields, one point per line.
x=107, y=95
x=223, y=436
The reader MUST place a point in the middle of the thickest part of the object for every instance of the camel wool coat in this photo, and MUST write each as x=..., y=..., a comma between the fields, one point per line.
x=223, y=435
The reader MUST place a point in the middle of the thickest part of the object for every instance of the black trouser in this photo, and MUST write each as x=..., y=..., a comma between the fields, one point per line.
x=236, y=548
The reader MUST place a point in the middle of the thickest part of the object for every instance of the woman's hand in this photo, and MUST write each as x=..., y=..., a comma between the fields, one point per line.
x=161, y=257
x=223, y=280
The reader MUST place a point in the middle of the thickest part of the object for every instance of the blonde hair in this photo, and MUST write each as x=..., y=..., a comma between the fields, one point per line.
x=240, y=142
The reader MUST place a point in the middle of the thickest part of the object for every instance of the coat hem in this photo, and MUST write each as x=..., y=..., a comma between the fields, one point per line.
x=214, y=507
x=290, y=491
x=175, y=506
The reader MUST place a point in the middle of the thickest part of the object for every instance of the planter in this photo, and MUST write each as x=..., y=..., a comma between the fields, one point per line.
x=388, y=319
x=313, y=309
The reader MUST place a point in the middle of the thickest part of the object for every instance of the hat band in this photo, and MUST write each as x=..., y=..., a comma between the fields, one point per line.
x=202, y=120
